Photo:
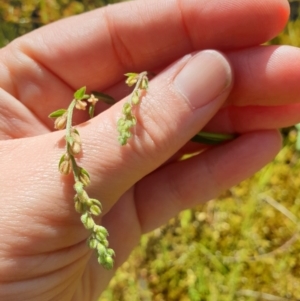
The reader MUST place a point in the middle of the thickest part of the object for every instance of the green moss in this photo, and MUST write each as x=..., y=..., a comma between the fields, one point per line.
x=242, y=246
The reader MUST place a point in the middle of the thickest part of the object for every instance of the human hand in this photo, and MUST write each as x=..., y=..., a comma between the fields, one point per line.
x=43, y=250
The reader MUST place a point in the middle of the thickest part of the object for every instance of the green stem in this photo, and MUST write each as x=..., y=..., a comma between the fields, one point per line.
x=68, y=137
x=69, y=118
x=74, y=168
x=138, y=83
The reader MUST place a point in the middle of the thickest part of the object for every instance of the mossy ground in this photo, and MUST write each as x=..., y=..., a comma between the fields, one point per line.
x=242, y=246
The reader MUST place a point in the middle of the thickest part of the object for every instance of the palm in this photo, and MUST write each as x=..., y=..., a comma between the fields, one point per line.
x=39, y=74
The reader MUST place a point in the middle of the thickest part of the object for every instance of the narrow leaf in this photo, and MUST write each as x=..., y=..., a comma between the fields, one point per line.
x=131, y=74
x=80, y=93
x=62, y=158
x=212, y=138
x=57, y=113
x=85, y=172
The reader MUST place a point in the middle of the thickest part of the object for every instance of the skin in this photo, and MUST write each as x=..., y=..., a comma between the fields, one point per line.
x=43, y=254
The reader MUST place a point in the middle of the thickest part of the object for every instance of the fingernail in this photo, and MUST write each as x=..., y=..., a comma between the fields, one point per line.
x=205, y=76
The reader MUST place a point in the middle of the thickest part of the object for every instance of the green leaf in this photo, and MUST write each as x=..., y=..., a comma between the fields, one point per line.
x=132, y=78
x=131, y=74
x=57, y=113
x=62, y=158
x=212, y=138
x=80, y=93
x=104, y=97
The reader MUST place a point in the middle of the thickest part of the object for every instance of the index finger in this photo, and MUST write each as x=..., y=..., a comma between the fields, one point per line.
x=96, y=48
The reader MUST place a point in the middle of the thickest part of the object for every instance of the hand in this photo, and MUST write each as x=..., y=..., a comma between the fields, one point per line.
x=43, y=250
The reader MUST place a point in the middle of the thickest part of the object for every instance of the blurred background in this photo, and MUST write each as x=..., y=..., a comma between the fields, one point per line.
x=242, y=246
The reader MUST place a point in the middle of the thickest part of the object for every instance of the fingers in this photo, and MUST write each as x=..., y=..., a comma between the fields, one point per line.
x=235, y=119
x=265, y=76
x=96, y=48
x=265, y=93
x=184, y=184
x=114, y=45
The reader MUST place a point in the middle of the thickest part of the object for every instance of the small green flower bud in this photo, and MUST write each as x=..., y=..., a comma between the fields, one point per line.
x=75, y=135
x=84, y=217
x=133, y=121
x=89, y=203
x=128, y=124
x=110, y=252
x=75, y=148
x=121, y=122
x=132, y=78
x=95, y=210
x=127, y=134
x=122, y=140
x=79, y=207
x=100, y=229
x=135, y=97
x=108, y=262
x=75, y=145
x=93, y=243
x=76, y=198
x=65, y=167
x=126, y=109
x=96, y=202
x=100, y=236
x=89, y=223
x=101, y=250
x=84, y=179
x=61, y=121
x=83, y=197
x=144, y=83
x=101, y=260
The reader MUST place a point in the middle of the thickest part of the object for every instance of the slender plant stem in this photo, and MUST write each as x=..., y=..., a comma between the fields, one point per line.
x=69, y=118
x=138, y=83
